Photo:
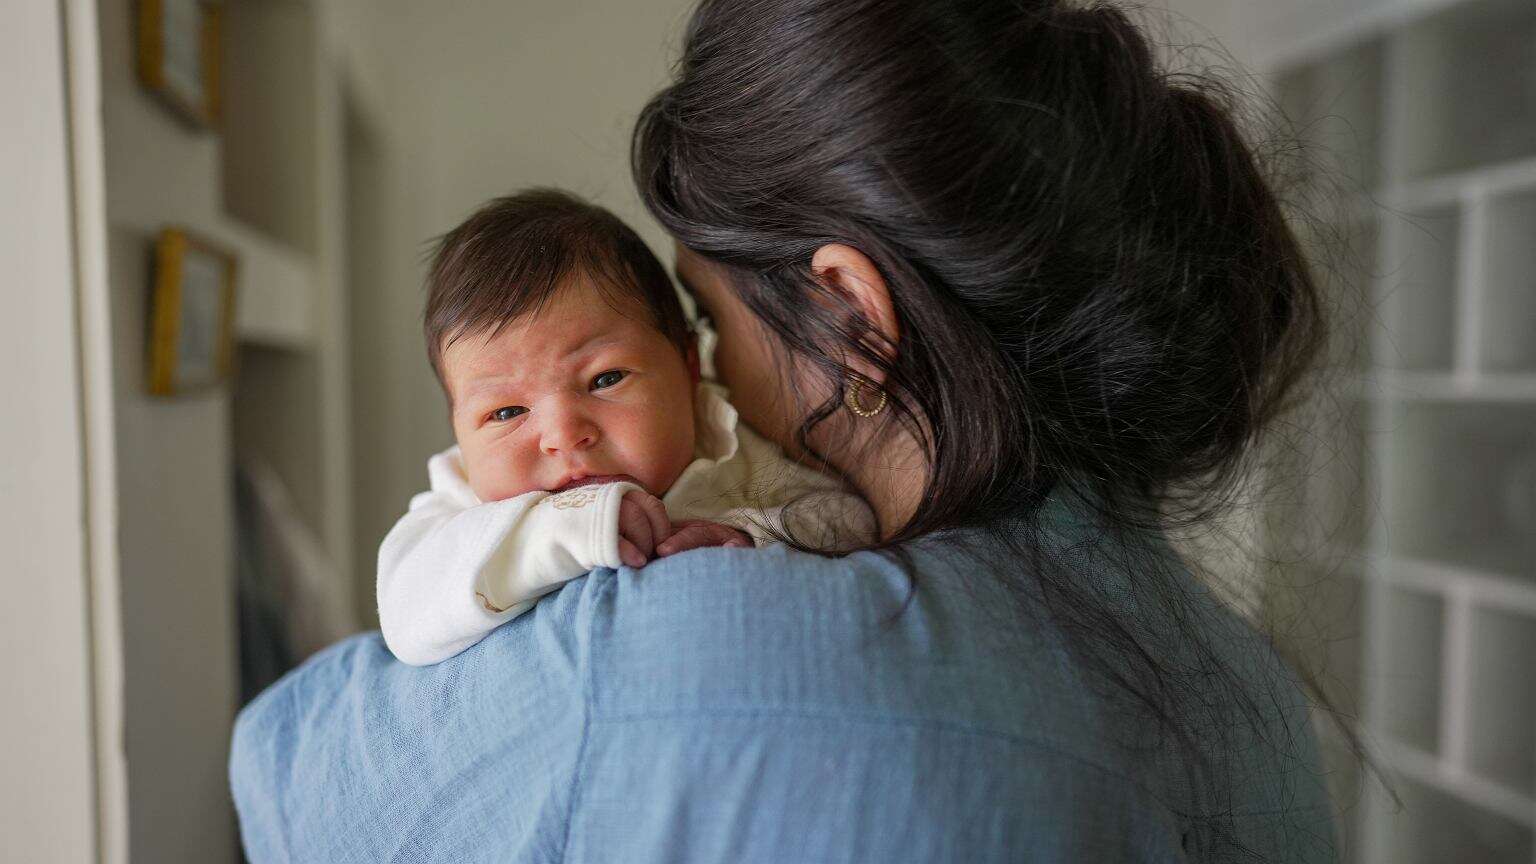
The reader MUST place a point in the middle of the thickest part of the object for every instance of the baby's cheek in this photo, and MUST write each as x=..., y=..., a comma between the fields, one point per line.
x=679, y=449
x=657, y=447
x=495, y=476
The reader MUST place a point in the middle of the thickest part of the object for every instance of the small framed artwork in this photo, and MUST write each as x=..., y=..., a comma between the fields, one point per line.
x=192, y=314
x=179, y=56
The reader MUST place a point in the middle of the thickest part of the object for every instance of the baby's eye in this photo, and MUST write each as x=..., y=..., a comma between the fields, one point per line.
x=607, y=379
x=507, y=413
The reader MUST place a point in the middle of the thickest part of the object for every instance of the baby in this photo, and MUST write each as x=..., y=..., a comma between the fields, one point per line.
x=586, y=435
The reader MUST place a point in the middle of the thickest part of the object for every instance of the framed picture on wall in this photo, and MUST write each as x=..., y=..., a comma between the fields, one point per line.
x=192, y=314
x=178, y=46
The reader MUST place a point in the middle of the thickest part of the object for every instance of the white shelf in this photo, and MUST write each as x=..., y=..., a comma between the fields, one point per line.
x=1303, y=31
x=1441, y=775
x=1435, y=826
x=1431, y=106
x=1446, y=387
x=1485, y=589
x=1446, y=814
x=276, y=288
x=1425, y=768
x=1449, y=189
x=275, y=285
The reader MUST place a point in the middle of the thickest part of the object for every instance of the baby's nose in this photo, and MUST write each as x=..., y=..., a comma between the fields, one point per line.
x=567, y=432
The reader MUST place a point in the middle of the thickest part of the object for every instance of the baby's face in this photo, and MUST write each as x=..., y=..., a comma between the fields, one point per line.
x=579, y=393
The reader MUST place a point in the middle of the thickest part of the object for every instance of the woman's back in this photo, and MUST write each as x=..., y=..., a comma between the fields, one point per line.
x=776, y=706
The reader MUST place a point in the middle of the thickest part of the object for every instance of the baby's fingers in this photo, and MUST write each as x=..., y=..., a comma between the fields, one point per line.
x=636, y=526
x=630, y=555
x=643, y=521
x=696, y=535
x=655, y=513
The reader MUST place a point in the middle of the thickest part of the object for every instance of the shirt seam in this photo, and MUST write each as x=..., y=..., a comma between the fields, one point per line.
x=578, y=771
x=292, y=712
x=852, y=716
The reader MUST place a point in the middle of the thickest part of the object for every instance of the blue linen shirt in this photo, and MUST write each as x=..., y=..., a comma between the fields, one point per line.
x=770, y=705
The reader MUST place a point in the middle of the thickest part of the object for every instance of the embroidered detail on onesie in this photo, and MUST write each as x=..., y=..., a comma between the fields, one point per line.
x=571, y=499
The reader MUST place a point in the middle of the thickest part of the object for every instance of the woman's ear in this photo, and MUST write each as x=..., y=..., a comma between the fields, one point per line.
x=849, y=272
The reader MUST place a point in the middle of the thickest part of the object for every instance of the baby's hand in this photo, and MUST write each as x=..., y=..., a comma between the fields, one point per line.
x=643, y=523
x=697, y=533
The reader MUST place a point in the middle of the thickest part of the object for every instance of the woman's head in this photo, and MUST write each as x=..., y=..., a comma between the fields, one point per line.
x=1090, y=281
x=1063, y=265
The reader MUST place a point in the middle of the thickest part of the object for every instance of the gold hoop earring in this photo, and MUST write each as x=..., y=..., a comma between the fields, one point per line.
x=851, y=398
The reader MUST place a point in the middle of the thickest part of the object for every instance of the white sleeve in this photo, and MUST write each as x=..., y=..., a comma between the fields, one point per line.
x=449, y=574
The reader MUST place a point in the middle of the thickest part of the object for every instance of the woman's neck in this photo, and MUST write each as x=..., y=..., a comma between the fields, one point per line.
x=891, y=475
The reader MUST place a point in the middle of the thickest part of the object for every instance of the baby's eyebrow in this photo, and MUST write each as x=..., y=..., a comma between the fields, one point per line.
x=600, y=340
x=476, y=387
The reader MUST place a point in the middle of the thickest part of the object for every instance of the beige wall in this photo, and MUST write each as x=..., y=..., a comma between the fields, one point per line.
x=174, y=492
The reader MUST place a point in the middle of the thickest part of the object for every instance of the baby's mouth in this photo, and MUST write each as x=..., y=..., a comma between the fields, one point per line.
x=593, y=480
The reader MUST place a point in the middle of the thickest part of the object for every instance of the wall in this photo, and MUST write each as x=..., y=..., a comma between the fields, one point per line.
x=1198, y=21
x=174, y=492
x=369, y=206
x=47, y=772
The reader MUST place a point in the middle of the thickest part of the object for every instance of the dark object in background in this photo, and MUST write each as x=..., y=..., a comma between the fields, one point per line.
x=265, y=651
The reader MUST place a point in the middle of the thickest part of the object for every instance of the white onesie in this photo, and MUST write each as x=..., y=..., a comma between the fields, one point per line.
x=455, y=568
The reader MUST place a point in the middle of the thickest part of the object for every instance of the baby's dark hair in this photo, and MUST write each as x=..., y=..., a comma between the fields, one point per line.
x=513, y=254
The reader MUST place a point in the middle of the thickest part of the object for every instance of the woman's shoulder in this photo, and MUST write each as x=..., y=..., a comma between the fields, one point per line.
x=727, y=669
x=954, y=641
x=350, y=756
x=927, y=639
x=706, y=633
x=937, y=636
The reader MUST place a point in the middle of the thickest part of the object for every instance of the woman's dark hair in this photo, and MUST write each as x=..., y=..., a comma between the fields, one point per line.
x=1098, y=288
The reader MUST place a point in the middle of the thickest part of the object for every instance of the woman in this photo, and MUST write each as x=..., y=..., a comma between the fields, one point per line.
x=1025, y=293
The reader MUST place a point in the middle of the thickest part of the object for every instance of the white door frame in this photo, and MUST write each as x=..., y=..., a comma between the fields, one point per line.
x=62, y=777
